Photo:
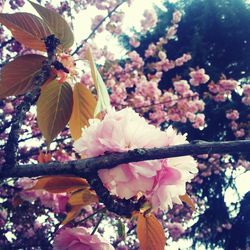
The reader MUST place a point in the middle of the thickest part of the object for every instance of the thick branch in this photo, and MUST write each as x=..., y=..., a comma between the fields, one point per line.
x=89, y=166
x=116, y=205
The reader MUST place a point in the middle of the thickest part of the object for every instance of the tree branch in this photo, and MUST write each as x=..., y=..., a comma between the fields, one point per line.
x=30, y=98
x=87, y=167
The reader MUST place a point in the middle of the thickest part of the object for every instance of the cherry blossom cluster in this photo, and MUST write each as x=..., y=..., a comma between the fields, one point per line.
x=176, y=104
x=198, y=77
x=57, y=202
x=233, y=115
x=149, y=20
x=223, y=89
x=79, y=238
x=175, y=230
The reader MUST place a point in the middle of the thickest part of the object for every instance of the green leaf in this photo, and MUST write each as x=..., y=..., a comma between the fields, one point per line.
x=83, y=110
x=103, y=102
x=56, y=24
x=54, y=108
x=16, y=77
x=27, y=29
x=121, y=229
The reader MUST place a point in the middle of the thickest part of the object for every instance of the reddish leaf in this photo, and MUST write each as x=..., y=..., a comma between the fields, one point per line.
x=27, y=29
x=54, y=108
x=60, y=184
x=186, y=198
x=44, y=157
x=16, y=76
x=83, y=109
x=56, y=24
x=150, y=233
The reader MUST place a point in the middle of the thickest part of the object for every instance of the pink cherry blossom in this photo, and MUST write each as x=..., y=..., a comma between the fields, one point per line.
x=79, y=238
x=151, y=50
x=161, y=181
x=233, y=115
x=239, y=133
x=198, y=77
x=55, y=201
x=8, y=108
x=181, y=86
x=246, y=93
x=228, y=84
x=162, y=55
x=213, y=88
x=134, y=42
x=246, y=90
x=199, y=121
x=175, y=230
x=96, y=21
x=171, y=32
x=176, y=17
x=149, y=20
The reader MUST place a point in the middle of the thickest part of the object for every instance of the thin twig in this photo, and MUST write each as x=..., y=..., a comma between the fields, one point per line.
x=102, y=210
x=166, y=102
x=97, y=224
x=98, y=26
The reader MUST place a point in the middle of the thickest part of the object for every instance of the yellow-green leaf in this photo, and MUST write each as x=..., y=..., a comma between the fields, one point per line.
x=103, y=101
x=83, y=110
x=56, y=24
x=72, y=214
x=54, y=108
x=27, y=29
x=83, y=197
x=150, y=233
x=60, y=184
x=121, y=230
x=16, y=77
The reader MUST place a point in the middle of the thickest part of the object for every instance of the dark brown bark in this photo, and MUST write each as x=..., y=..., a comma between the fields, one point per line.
x=89, y=166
